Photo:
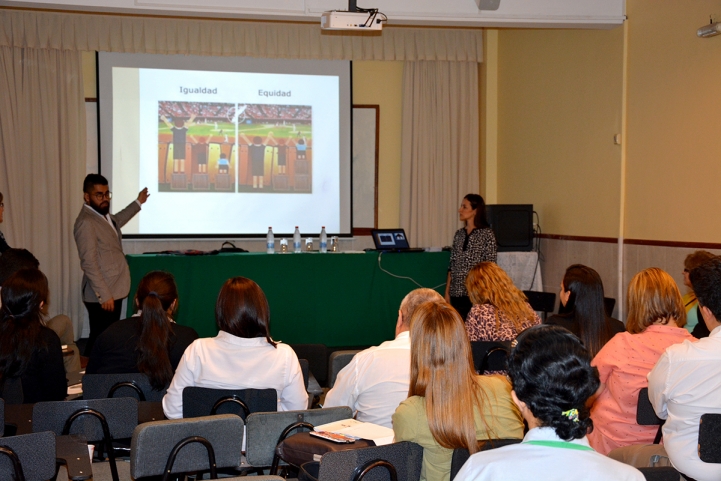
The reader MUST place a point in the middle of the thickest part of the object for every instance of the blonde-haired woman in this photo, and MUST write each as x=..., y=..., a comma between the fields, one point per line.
x=500, y=310
x=449, y=406
x=655, y=321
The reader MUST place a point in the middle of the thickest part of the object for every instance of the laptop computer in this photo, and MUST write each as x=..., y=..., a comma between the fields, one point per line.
x=392, y=240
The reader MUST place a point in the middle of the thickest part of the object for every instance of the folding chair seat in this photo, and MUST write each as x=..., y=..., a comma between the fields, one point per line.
x=101, y=386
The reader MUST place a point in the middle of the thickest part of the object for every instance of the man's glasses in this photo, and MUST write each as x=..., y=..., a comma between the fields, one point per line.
x=100, y=196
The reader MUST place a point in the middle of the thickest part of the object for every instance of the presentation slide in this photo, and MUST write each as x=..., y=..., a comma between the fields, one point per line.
x=227, y=146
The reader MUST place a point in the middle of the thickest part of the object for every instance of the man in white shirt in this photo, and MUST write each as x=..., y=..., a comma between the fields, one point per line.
x=685, y=382
x=376, y=380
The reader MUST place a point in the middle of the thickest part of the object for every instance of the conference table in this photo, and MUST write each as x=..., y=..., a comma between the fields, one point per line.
x=337, y=299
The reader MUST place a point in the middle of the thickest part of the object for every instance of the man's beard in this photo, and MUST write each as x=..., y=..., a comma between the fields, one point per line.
x=101, y=210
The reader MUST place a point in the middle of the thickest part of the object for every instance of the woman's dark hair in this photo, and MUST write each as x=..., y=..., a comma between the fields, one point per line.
x=551, y=372
x=242, y=309
x=20, y=320
x=155, y=296
x=477, y=203
x=585, y=304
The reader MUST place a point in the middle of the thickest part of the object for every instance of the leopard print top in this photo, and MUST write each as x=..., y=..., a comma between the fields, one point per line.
x=469, y=250
x=481, y=324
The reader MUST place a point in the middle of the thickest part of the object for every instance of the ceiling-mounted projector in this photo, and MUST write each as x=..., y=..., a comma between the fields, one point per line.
x=339, y=20
x=488, y=4
x=709, y=30
x=353, y=19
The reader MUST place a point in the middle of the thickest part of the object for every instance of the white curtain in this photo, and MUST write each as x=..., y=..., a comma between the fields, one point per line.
x=439, y=157
x=42, y=164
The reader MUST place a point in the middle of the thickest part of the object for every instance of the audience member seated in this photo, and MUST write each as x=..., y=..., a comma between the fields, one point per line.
x=375, y=382
x=552, y=379
x=685, y=384
x=655, y=321
x=12, y=261
x=694, y=322
x=582, y=296
x=150, y=342
x=449, y=406
x=500, y=310
x=242, y=355
x=30, y=353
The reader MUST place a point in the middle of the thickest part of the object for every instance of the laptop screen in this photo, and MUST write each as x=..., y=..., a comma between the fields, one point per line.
x=389, y=239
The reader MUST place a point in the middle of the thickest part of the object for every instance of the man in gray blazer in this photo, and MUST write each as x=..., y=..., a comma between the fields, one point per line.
x=106, y=276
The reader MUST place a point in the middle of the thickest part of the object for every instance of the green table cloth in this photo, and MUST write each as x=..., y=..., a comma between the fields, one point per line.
x=337, y=299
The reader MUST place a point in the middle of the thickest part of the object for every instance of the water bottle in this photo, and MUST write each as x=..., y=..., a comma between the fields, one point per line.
x=296, y=240
x=323, y=241
x=270, y=241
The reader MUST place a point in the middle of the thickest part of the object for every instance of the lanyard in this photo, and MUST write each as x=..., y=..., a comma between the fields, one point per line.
x=560, y=444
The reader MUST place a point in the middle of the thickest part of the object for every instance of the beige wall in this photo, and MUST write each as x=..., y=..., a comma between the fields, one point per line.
x=381, y=83
x=377, y=83
x=674, y=95
x=559, y=106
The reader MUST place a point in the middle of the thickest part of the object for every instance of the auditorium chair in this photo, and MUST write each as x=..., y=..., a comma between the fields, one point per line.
x=403, y=459
x=543, y=302
x=317, y=356
x=709, y=438
x=481, y=350
x=201, y=401
x=461, y=455
x=265, y=430
x=101, y=386
x=98, y=421
x=28, y=457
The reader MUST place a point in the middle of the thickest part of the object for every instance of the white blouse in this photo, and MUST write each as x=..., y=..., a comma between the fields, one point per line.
x=230, y=362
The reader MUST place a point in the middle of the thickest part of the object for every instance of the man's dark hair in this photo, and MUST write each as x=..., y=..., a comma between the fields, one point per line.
x=706, y=282
x=93, y=179
x=13, y=260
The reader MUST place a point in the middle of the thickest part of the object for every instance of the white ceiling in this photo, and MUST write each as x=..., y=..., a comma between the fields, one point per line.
x=511, y=13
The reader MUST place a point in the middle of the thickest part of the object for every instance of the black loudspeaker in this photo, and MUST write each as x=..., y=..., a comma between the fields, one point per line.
x=513, y=226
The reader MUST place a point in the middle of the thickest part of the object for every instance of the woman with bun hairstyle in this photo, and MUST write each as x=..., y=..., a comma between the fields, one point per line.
x=242, y=355
x=30, y=354
x=449, y=406
x=149, y=342
x=585, y=315
x=655, y=321
x=552, y=379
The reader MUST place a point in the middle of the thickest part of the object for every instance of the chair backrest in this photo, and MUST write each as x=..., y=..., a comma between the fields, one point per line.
x=406, y=458
x=709, y=438
x=496, y=359
x=317, y=356
x=98, y=386
x=662, y=473
x=264, y=429
x=121, y=415
x=36, y=453
x=646, y=416
x=199, y=401
x=541, y=301
x=461, y=455
x=305, y=370
x=338, y=360
x=609, y=303
x=152, y=443
x=479, y=349
x=2, y=417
